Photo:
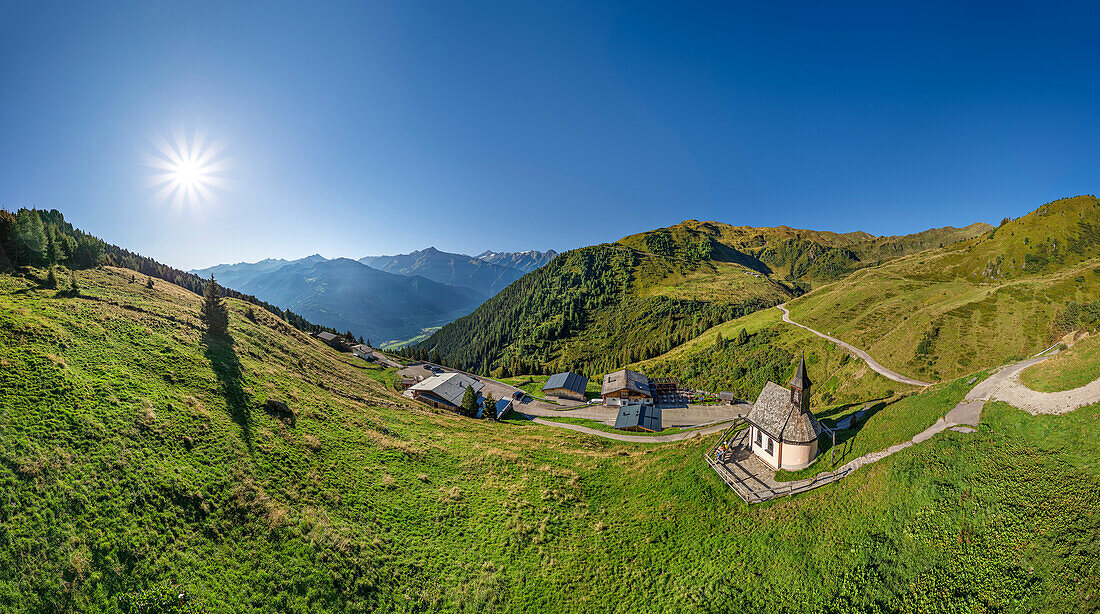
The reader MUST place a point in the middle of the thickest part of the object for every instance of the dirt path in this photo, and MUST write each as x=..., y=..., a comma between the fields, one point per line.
x=897, y=377
x=1005, y=385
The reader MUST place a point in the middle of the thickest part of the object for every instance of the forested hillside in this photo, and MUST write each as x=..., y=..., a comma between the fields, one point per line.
x=33, y=237
x=601, y=307
x=594, y=308
x=743, y=354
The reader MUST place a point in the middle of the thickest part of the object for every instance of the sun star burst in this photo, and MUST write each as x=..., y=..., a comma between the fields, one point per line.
x=189, y=172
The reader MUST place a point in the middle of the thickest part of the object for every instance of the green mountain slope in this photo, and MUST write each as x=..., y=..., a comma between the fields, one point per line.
x=601, y=307
x=134, y=452
x=725, y=358
x=976, y=303
x=596, y=307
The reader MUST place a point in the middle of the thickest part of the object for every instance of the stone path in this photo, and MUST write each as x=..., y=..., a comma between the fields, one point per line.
x=897, y=377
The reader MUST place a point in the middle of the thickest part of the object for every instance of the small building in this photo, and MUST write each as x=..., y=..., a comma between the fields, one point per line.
x=783, y=431
x=727, y=398
x=363, y=351
x=445, y=391
x=626, y=386
x=639, y=417
x=329, y=338
x=407, y=382
x=566, y=386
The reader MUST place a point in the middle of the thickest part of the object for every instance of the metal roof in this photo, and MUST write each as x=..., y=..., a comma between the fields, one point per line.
x=569, y=381
x=326, y=336
x=636, y=415
x=502, y=406
x=449, y=386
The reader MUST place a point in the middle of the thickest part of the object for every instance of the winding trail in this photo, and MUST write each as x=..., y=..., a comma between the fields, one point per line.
x=875, y=366
x=1005, y=385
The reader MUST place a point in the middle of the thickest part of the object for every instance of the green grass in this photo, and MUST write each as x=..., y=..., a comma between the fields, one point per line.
x=133, y=451
x=1066, y=370
x=771, y=353
x=889, y=421
x=942, y=313
x=400, y=343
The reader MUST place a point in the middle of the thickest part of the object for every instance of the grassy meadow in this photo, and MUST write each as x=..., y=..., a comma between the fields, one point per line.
x=1069, y=369
x=939, y=314
x=772, y=352
x=134, y=452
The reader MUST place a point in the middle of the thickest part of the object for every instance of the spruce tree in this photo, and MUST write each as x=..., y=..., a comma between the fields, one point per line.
x=51, y=279
x=30, y=238
x=469, y=402
x=149, y=283
x=490, y=407
x=74, y=288
x=214, y=312
x=52, y=249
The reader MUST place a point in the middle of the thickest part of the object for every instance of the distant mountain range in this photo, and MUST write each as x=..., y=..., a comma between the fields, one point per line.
x=348, y=295
x=453, y=269
x=383, y=298
x=525, y=261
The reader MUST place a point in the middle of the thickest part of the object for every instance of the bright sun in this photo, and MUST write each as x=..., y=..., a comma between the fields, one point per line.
x=189, y=170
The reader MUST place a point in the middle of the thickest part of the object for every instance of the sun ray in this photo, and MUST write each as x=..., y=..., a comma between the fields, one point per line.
x=187, y=174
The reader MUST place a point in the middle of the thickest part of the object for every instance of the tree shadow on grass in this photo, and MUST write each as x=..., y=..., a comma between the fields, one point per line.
x=844, y=436
x=227, y=368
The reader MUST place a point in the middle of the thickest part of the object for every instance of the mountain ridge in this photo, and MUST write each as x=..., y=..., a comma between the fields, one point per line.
x=447, y=268
x=348, y=295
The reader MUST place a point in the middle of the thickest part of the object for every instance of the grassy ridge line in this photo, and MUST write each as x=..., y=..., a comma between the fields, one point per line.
x=942, y=313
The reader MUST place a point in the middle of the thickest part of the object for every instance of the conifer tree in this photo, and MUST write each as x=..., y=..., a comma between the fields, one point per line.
x=52, y=249
x=469, y=402
x=51, y=279
x=149, y=283
x=490, y=407
x=214, y=313
x=74, y=288
x=30, y=238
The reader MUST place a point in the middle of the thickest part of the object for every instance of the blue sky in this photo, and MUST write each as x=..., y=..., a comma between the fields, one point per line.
x=363, y=128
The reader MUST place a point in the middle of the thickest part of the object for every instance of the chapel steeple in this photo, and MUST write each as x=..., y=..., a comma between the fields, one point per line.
x=800, y=386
